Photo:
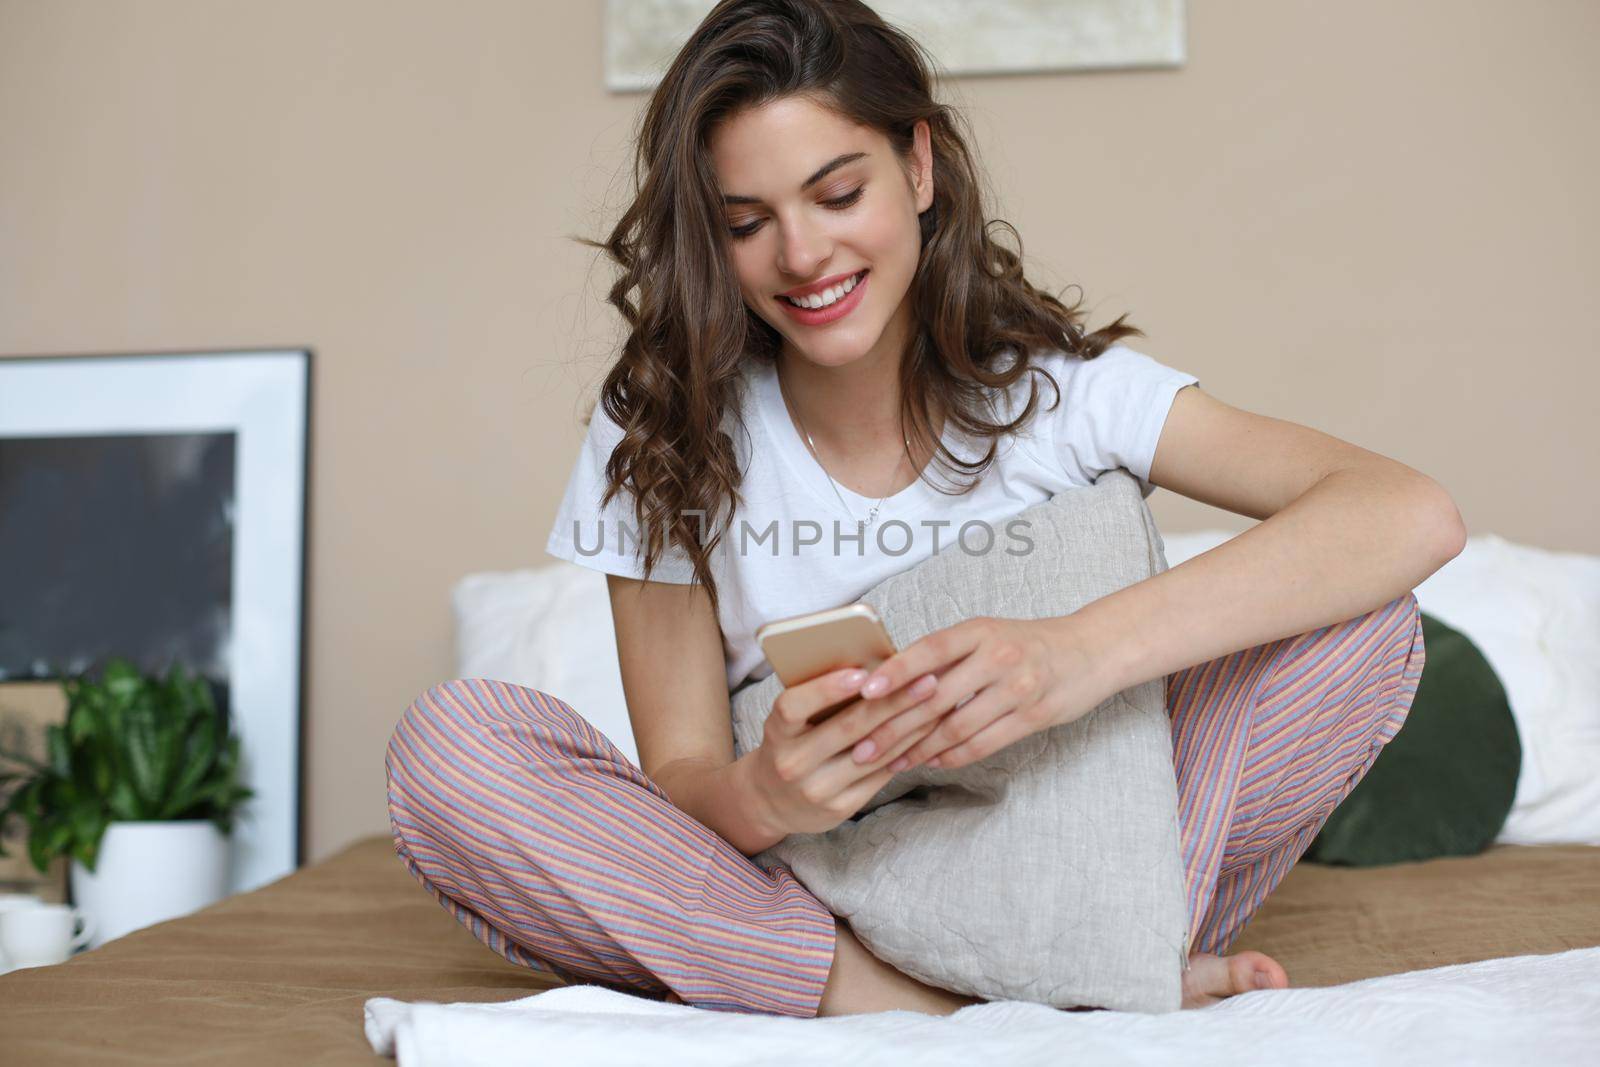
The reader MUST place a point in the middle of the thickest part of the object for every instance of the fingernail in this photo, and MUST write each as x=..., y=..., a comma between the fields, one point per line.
x=853, y=679
x=900, y=764
x=1263, y=980
x=925, y=685
x=934, y=762
x=876, y=687
x=865, y=751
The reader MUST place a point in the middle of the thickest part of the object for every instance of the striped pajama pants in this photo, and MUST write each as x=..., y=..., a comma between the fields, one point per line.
x=554, y=850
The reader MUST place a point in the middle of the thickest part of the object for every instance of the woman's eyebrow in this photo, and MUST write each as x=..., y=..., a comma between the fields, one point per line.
x=826, y=169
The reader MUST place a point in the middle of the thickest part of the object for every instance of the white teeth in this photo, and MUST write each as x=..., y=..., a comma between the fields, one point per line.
x=827, y=296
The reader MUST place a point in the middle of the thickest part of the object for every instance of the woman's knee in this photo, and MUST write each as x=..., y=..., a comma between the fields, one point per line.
x=1404, y=611
x=456, y=725
x=447, y=725
x=440, y=712
x=450, y=741
x=1406, y=662
x=1392, y=636
x=416, y=765
x=1379, y=641
x=473, y=707
x=1385, y=659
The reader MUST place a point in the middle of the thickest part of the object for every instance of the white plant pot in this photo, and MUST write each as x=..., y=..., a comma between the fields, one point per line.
x=148, y=872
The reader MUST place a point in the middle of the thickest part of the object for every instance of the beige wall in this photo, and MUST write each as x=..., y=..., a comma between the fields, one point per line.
x=1376, y=219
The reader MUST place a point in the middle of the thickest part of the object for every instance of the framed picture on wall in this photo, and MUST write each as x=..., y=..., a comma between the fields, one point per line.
x=153, y=507
x=994, y=37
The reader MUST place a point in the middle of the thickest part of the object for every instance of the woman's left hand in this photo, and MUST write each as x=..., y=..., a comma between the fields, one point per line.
x=1004, y=678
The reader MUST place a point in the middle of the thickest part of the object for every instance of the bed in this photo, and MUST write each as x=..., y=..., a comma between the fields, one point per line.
x=280, y=975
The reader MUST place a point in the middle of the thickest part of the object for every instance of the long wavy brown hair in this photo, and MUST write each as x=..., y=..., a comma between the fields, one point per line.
x=689, y=329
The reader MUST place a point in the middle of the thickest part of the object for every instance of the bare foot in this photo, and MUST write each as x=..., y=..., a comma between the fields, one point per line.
x=1210, y=978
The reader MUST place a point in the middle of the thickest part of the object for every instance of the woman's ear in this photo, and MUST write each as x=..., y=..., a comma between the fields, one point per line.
x=922, y=164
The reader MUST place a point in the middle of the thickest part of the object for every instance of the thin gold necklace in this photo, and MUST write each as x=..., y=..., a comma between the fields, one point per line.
x=872, y=515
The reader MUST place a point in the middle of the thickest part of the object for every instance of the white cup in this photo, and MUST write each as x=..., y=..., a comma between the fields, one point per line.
x=42, y=935
x=19, y=900
x=8, y=901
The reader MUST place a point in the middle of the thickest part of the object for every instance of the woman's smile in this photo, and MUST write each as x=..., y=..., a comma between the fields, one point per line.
x=828, y=305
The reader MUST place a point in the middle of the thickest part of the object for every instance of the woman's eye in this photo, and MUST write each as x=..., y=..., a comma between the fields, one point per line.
x=838, y=204
x=847, y=200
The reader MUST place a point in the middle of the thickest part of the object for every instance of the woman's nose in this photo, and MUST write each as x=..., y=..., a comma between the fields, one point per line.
x=802, y=249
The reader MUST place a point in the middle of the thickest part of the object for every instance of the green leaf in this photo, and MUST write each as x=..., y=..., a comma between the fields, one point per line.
x=201, y=761
x=89, y=824
x=60, y=749
x=122, y=680
x=38, y=854
x=55, y=839
x=139, y=744
x=175, y=737
x=123, y=804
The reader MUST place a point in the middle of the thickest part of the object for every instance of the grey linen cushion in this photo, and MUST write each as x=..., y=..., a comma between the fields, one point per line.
x=1049, y=871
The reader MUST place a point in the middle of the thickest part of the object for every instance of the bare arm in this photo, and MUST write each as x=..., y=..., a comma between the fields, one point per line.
x=675, y=681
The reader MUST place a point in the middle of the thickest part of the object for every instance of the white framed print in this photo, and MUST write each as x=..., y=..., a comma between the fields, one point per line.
x=153, y=507
x=964, y=37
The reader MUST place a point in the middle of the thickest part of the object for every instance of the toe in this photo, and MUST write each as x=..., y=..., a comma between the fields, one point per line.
x=1249, y=971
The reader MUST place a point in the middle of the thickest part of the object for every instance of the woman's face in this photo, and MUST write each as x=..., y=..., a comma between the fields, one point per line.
x=813, y=202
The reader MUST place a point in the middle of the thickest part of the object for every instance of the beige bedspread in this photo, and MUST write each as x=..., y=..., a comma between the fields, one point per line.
x=280, y=975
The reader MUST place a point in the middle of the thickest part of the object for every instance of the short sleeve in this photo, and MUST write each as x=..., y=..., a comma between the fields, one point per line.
x=606, y=539
x=1111, y=412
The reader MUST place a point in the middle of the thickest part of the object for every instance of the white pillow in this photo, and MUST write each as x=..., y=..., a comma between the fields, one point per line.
x=1535, y=615
x=548, y=629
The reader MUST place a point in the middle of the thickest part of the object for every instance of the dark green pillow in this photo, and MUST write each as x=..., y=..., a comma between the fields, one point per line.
x=1444, y=785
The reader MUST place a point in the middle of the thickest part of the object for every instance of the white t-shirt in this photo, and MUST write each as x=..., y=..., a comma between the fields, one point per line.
x=791, y=548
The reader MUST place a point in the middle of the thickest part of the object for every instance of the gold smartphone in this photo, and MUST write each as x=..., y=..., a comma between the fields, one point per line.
x=804, y=646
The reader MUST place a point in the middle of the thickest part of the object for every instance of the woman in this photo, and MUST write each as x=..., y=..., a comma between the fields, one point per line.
x=818, y=319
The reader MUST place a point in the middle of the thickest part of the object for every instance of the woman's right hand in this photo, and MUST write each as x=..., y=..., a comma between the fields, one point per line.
x=804, y=773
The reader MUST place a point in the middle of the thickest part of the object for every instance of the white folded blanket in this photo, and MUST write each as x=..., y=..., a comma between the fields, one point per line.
x=1541, y=1010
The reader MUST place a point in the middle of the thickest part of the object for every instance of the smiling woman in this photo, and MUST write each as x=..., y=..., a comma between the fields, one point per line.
x=804, y=203
x=819, y=321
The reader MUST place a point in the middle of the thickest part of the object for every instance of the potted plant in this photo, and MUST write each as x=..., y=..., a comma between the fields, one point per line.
x=139, y=787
